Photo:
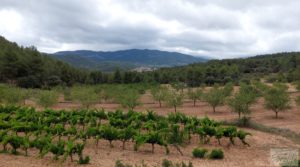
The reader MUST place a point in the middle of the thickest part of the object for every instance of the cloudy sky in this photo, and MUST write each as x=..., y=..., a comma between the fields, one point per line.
x=216, y=28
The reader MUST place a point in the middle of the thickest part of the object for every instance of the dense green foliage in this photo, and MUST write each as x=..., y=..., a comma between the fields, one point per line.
x=27, y=67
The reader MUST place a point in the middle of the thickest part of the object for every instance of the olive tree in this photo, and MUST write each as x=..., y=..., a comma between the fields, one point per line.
x=277, y=100
x=174, y=99
x=227, y=89
x=194, y=94
x=86, y=96
x=241, y=102
x=214, y=97
x=47, y=98
x=159, y=94
x=13, y=96
x=129, y=98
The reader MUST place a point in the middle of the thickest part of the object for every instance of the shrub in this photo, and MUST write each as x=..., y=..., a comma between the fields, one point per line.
x=199, y=152
x=120, y=164
x=85, y=160
x=166, y=163
x=216, y=154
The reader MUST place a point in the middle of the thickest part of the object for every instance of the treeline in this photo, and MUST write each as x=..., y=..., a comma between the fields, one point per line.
x=26, y=67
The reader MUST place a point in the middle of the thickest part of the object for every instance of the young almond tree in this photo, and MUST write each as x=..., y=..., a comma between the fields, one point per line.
x=277, y=100
x=174, y=99
x=47, y=98
x=159, y=94
x=215, y=97
x=194, y=94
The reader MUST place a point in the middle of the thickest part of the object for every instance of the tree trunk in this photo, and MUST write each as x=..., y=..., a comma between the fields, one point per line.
x=124, y=144
x=239, y=115
x=194, y=103
x=159, y=104
x=175, y=108
x=153, y=148
x=276, y=114
x=71, y=156
x=214, y=108
x=110, y=144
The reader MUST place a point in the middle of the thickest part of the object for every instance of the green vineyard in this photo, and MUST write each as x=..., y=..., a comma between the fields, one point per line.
x=65, y=133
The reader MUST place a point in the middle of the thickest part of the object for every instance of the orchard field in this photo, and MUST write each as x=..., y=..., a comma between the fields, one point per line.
x=148, y=125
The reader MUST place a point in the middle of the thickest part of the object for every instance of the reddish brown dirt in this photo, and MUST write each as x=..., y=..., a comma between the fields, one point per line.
x=256, y=155
x=289, y=119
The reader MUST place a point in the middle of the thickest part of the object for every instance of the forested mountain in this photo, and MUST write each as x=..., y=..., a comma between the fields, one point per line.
x=125, y=59
x=283, y=67
x=26, y=67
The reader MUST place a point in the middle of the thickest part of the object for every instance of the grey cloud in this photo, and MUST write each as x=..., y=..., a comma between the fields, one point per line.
x=221, y=29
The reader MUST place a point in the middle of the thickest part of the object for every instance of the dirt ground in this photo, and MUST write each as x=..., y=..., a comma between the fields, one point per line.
x=290, y=119
x=258, y=154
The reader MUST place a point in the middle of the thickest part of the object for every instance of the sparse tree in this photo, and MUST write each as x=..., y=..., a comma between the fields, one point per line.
x=241, y=102
x=159, y=94
x=13, y=96
x=227, y=89
x=215, y=97
x=174, y=99
x=129, y=98
x=47, y=98
x=194, y=94
x=277, y=100
x=86, y=96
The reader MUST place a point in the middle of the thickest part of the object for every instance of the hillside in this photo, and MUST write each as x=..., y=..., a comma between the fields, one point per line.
x=27, y=67
x=125, y=59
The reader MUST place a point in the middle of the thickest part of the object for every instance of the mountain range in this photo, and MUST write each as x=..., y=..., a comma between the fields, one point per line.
x=125, y=59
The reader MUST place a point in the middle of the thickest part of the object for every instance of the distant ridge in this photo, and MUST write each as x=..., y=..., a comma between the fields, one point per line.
x=126, y=59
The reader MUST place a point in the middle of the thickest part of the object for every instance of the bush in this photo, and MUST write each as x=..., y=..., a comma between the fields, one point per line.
x=166, y=163
x=85, y=160
x=216, y=154
x=199, y=152
x=120, y=164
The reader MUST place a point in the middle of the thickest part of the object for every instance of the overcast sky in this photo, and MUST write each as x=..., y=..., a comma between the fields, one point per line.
x=216, y=28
